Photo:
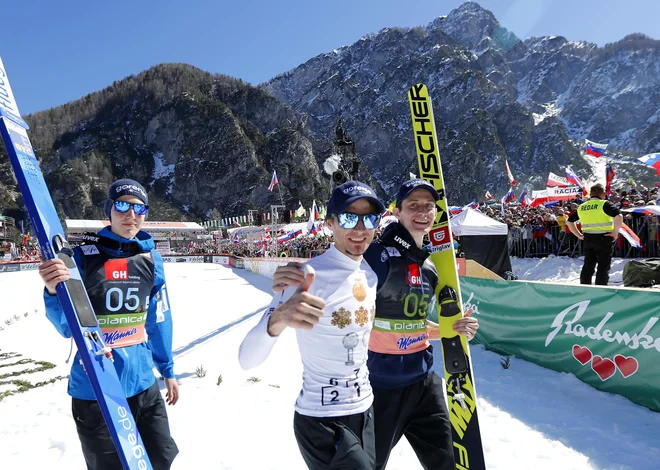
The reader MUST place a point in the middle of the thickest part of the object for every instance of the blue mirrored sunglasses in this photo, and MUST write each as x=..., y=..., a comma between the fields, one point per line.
x=348, y=220
x=138, y=208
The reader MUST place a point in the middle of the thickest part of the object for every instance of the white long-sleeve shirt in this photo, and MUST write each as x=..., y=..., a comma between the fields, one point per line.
x=334, y=351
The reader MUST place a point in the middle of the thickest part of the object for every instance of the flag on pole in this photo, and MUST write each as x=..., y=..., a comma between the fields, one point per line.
x=609, y=176
x=316, y=228
x=512, y=180
x=631, y=236
x=313, y=215
x=556, y=181
x=300, y=212
x=524, y=199
x=488, y=195
x=508, y=197
x=594, y=149
x=648, y=210
x=273, y=182
x=652, y=160
x=572, y=177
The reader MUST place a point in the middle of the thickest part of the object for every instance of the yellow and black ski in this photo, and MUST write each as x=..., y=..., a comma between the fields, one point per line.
x=461, y=393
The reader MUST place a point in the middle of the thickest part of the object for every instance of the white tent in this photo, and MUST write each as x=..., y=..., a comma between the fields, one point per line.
x=483, y=240
x=472, y=222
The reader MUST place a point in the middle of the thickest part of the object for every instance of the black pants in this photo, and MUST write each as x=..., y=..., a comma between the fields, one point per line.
x=419, y=412
x=597, y=251
x=148, y=409
x=341, y=443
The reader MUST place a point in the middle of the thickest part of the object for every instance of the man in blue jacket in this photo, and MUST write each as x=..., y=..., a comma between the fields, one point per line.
x=125, y=281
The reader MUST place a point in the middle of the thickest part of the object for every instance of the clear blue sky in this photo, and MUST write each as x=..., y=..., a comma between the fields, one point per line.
x=55, y=52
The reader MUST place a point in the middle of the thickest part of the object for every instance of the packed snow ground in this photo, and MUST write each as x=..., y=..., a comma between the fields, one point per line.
x=531, y=418
x=562, y=270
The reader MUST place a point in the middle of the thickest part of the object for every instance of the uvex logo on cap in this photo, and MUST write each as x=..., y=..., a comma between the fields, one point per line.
x=116, y=270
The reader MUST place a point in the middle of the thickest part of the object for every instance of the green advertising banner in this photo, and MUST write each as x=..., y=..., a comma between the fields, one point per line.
x=608, y=338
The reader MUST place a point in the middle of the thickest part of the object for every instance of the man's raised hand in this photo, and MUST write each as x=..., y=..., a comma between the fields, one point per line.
x=303, y=310
x=289, y=275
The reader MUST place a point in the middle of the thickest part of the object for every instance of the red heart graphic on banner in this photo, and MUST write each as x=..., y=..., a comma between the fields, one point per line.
x=582, y=354
x=605, y=368
x=627, y=365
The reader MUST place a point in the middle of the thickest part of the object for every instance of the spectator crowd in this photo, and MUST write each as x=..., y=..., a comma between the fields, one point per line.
x=533, y=232
x=542, y=230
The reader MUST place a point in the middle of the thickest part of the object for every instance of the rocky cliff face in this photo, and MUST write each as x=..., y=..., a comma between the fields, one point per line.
x=201, y=142
x=196, y=141
x=495, y=97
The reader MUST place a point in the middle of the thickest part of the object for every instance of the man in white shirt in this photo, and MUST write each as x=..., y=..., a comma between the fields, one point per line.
x=332, y=312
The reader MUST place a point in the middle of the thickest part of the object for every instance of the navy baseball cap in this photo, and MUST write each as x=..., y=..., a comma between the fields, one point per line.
x=124, y=187
x=346, y=194
x=409, y=186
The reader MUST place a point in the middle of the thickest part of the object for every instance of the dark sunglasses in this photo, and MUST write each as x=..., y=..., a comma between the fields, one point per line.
x=138, y=208
x=348, y=220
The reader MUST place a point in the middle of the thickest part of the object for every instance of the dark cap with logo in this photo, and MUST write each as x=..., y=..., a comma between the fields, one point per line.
x=346, y=194
x=411, y=185
x=124, y=187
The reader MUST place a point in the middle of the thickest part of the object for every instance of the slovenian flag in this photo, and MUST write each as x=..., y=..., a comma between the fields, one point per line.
x=288, y=236
x=315, y=210
x=488, y=195
x=512, y=180
x=541, y=232
x=572, y=177
x=523, y=199
x=509, y=197
x=315, y=230
x=453, y=210
x=609, y=177
x=594, y=149
x=631, y=236
x=652, y=160
x=472, y=205
x=648, y=210
x=273, y=182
